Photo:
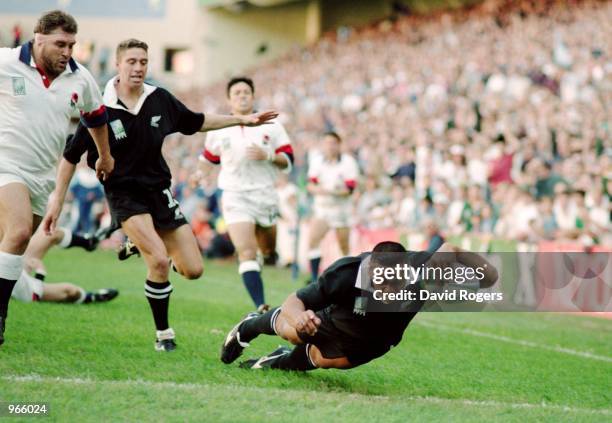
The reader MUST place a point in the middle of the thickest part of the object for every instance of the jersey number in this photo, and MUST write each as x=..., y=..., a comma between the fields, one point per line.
x=172, y=203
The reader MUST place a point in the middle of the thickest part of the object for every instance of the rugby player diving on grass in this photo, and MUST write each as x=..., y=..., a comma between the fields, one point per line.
x=334, y=323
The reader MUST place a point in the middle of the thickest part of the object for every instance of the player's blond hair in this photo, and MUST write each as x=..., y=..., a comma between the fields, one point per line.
x=130, y=43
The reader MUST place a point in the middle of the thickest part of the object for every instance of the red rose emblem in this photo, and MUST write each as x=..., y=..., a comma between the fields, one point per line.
x=74, y=99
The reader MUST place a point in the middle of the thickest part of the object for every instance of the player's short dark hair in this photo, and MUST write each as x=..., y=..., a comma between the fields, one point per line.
x=130, y=43
x=333, y=134
x=239, y=79
x=56, y=19
x=389, y=247
x=389, y=254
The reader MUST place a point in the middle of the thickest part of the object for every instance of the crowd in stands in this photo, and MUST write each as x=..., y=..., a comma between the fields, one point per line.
x=492, y=121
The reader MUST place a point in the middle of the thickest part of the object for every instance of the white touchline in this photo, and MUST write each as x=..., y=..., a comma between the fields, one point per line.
x=201, y=387
x=522, y=342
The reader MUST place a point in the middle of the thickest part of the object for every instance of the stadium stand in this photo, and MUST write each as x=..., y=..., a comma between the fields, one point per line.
x=493, y=121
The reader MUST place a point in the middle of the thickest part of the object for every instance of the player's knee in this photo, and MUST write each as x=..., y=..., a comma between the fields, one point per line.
x=18, y=235
x=285, y=330
x=72, y=293
x=327, y=363
x=159, y=264
x=247, y=253
x=193, y=272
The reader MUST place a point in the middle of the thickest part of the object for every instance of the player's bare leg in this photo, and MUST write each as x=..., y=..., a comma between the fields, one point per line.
x=244, y=239
x=38, y=247
x=183, y=249
x=16, y=225
x=69, y=293
x=316, y=232
x=61, y=292
x=141, y=231
x=266, y=240
x=16, y=218
x=342, y=235
x=40, y=244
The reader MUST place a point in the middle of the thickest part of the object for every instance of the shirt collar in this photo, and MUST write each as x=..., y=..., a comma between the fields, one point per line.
x=111, y=99
x=362, y=282
x=25, y=55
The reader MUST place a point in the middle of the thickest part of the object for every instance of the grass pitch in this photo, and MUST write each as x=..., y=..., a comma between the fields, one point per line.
x=97, y=363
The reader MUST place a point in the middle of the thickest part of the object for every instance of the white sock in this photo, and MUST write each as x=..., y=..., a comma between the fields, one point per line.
x=11, y=266
x=66, y=239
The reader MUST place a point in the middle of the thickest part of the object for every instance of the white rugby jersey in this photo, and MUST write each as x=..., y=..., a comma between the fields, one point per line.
x=227, y=147
x=333, y=175
x=35, y=114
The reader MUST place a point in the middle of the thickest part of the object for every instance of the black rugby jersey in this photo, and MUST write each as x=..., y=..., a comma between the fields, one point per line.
x=336, y=293
x=136, y=139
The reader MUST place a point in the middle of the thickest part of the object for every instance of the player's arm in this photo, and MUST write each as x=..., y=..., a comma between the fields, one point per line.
x=301, y=319
x=450, y=253
x=278, y=159
x=332, y=287
x=281, y=154
x=105, y=163
x=65, y=171
x=94, y=117
x=203, y=169
x=345, y=191
x=214, y=121
x=314, y=188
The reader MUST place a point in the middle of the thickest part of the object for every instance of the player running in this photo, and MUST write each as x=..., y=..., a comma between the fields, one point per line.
x=334, y=323
x=138, y=192
x=41, y=86
x=331, y=180
x=250, y=159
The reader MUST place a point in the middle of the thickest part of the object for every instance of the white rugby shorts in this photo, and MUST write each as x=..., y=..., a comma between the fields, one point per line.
x=256, y=206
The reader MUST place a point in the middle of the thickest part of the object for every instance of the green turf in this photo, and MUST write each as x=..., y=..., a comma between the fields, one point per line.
x=97, y=362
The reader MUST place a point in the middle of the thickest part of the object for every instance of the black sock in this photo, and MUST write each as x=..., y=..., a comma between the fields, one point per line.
x=254, y=285
x=314, y=268
x=6, y=288
x=295, y=360
x=89, y=298
x=263, y=324
x=158, y=295
x=79, y=241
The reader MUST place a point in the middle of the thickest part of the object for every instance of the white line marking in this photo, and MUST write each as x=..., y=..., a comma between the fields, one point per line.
x=200, y=387
x=555, y=348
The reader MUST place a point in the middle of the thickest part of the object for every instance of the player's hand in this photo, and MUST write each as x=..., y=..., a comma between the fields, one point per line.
x=307, y=322
x=256, y=153
x=49, y=222
x=104, y=167
x=257, y=119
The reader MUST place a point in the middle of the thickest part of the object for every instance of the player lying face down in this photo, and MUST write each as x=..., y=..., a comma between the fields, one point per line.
x=330, y=322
